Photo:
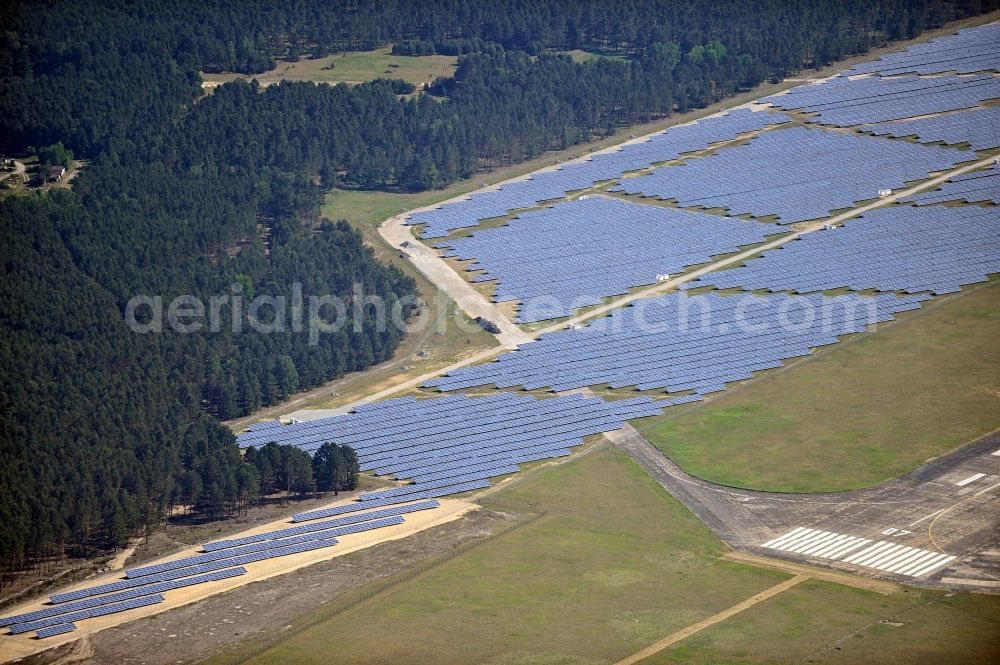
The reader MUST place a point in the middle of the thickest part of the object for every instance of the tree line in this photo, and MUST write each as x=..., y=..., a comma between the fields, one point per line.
x=284, y=468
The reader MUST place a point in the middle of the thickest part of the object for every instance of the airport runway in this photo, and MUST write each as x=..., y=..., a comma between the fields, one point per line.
x=938, y=526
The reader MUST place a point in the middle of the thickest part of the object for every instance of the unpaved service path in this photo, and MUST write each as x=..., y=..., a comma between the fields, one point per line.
x=712, y=620
x=395, y=232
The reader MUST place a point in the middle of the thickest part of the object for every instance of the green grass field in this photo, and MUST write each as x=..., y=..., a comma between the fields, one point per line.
x=857, y=415
x=615, y=565
x=851, y=626
x=353, y=67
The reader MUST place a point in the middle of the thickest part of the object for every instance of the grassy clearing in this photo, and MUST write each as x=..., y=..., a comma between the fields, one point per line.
x=614, y=565
x=859, y=414
x=819, y=622
x=580, y=56
x=352, y=67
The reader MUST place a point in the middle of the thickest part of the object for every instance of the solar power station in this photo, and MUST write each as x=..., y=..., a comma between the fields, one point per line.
x=797, y=173
x=979, y=127
x=453, y=444
x=972, y=187
x=967, y=51
x=144, y=586
x=680, y=342
x=548, y=185
x=64, y=622
x=794, y=166
x=900, y=248
x=321, y=526
x=574, y=254
x=847, y=102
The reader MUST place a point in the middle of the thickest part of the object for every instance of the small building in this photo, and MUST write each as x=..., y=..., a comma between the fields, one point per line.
x=56, y=173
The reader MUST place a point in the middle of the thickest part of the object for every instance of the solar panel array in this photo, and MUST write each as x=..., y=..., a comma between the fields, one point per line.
x=680, y=342
x=102, y=610
x=320, y=526
x=576, y=253
x=979, y=127
x=973, y=187
x=52, y=631
x=900, y=248
x=846, y=102
x=145, y=590
x=970, y=50
x=553, y=184
x=373, y=503
x=453, y=444
x=796, y=173
x=194, y=570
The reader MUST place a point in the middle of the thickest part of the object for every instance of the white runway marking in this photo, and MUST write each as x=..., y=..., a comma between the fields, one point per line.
x=986, y=490
x=971, y=479
x=926, y=517
x=881, y=555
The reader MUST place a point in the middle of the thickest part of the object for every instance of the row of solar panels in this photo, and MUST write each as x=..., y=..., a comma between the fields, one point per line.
x=102, y=610
x=192, y=570
x=398, y=412
x=375, y=437
x=144, y=586
x=979, y=127
x=577, y=253
x=848, y=102
x=319, y=526
x=145, y=590
x=970, y=50
x=974, y=186
x=798, y=174
x=900, y=248
x=631, y=349
x=554, y=184
x=263, y=546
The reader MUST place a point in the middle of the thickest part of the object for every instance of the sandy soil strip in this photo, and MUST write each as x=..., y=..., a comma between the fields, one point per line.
x=18, y=646
x=712, y=620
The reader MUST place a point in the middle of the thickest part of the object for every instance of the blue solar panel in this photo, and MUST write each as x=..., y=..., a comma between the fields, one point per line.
x=144, y=590
x=52, y=631
x=680, y=342
x=900, y=248
x=795, y=173
x=453, y=444
x=555, y=183
x=979, y=127
x=193, y=570
x=970, y=50
x=321, y=526
x=101, y=610
x=577, y=253
x=265, y=547
x=846, y=102
x=973, y=187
